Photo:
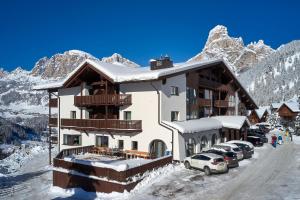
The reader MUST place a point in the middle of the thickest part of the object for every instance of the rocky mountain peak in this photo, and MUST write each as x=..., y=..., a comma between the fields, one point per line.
x=59, y=65
x=232, y=49
x=18, y=70
x=119, y=59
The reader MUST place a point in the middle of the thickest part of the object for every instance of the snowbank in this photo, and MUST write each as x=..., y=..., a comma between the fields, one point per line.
x=14, y=162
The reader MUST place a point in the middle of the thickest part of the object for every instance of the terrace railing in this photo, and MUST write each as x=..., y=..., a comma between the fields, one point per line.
x=52, y=121
x=109, y=99
x=53, y=103
x=102, y=124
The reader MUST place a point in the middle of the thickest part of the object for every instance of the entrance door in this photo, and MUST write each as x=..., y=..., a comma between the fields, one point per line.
x=158, y=148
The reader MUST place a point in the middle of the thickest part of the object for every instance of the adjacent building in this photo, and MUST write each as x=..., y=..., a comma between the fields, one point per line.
x=258, y=115
x=164, y=109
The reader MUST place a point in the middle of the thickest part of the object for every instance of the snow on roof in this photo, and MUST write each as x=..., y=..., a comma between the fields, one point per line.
x=195, y=125
x=50, y=85
x=122, y=73
x=294, y=106
x=260, y=112
x=235, y=122
x=276, y=105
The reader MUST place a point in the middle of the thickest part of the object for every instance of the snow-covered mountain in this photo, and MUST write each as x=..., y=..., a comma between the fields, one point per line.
x=59, y=65
x=118, y=59
x=22, y=108
x=220, y=45
x=275, y=78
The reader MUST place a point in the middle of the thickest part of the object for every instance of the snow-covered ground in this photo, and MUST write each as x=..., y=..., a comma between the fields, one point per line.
x=270, y=174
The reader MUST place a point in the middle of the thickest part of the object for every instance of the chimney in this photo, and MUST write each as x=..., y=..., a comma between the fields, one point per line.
x=161, y=63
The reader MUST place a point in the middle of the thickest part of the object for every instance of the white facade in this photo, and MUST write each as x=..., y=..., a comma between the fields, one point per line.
x=153, y=101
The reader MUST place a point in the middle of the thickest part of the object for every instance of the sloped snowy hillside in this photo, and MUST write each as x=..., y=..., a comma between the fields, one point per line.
x=25, y=110
x=277, y=78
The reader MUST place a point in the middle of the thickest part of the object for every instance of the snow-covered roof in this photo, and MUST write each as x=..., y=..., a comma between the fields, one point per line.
x=276, y=105
x=260, y=112
x=50, y=85
x=122, y=73
x=234, y=122
x=294, y=106
x=195, y=125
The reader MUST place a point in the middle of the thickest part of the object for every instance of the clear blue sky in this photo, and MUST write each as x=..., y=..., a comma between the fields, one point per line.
x=139, y=30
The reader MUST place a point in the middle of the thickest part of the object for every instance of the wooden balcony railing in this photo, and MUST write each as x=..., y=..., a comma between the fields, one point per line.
x=212, y=85
x=109, y=99
x=103, y=124
x=52, y=121
x=204, y=102
x=53, y=103
x=221, y=103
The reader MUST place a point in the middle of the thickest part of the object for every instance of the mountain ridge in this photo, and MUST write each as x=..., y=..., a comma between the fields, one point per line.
x=220, y=45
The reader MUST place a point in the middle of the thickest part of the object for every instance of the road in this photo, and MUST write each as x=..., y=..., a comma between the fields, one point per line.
x=32, y=181
x=272, y=174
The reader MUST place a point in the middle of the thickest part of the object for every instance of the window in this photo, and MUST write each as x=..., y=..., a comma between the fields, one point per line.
x=208, y=94
x=121, y=144
x=174, y=91
x=72, y=140
x=231, y=101
x=174, y=116
x=134, y=145
x=164, y=81
x=73, y=115
x=101, y=141
x=127, y=115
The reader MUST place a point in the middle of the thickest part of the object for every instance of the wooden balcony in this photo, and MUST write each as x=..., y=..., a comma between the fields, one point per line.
x=103, y=124
x=213, y=85
x=204, y=102
x=221, y=103
x=97, y=100
x=52, y=121
x=53, y=103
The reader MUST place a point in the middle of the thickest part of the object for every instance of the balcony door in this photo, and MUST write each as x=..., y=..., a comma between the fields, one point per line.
x=127, y=115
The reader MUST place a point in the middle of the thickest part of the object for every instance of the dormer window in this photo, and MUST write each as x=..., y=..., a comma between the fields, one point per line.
x=174, y=91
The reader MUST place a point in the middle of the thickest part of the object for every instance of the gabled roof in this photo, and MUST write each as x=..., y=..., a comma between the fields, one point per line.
x=261, y=111
x=121, y=73
x=276, y=105
x=293, y=106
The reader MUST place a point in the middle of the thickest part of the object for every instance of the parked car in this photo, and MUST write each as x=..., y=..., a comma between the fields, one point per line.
x=229, y=157
x=208, y=162
x=257, y=133
x=230, y=147
x=251, y=146
x=256, y=141
x=247, y=153
x=264, y=126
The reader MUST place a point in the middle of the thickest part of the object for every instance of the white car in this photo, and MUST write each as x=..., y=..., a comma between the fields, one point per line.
x=208, y=162
x=242, y=142
x=230, y=147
